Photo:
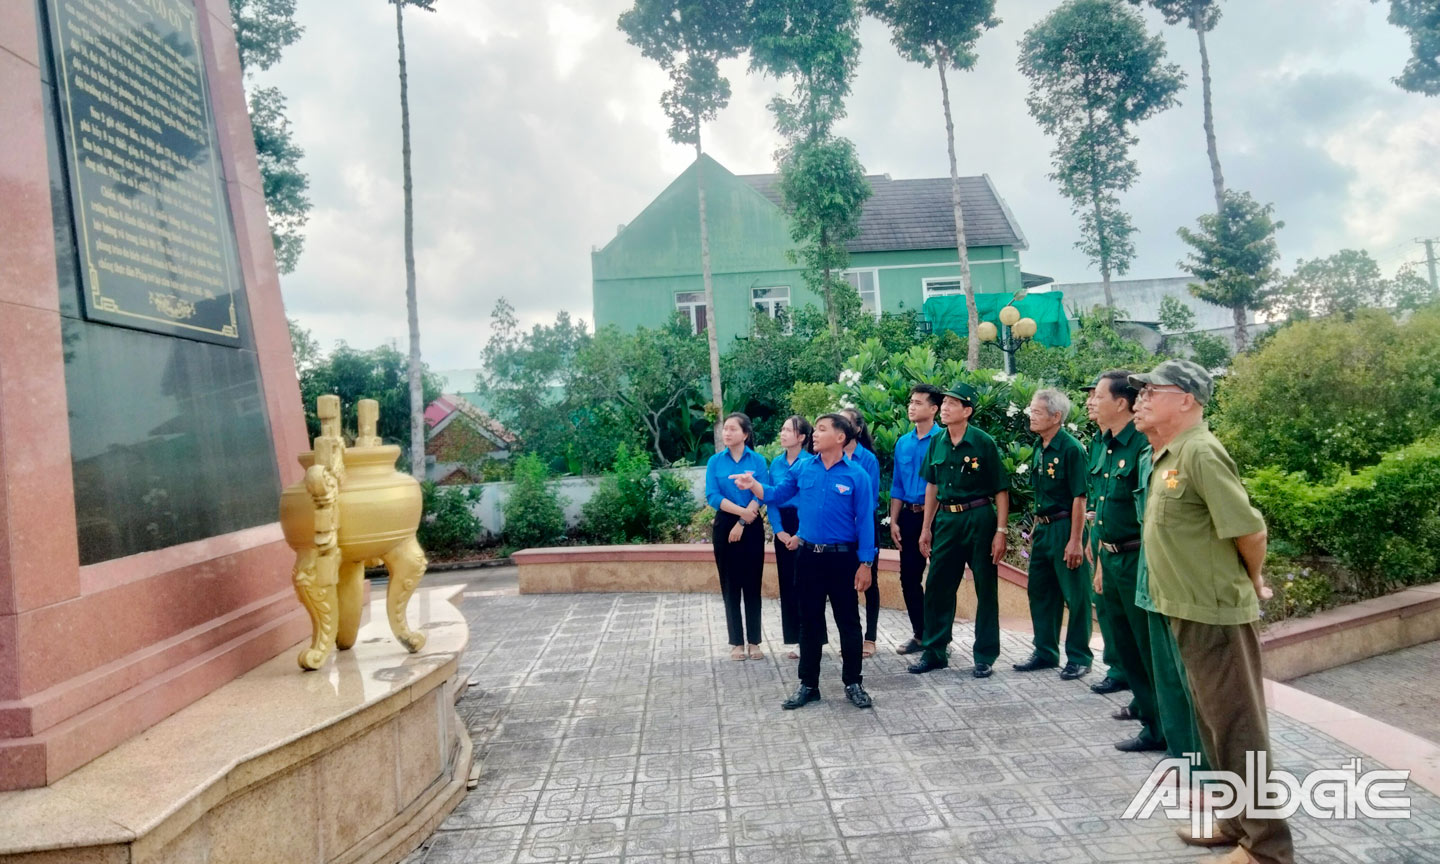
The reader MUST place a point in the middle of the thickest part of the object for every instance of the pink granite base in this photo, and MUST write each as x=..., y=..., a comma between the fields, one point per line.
x=230, y=612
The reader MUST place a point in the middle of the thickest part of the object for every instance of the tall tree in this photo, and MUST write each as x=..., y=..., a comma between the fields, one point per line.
x=1421, y=20
x=689, y=39
x=1233, y=254
x=1094, y=74
x=943, y=33
x=816, y=45
x=263, y=30
x=417, y=395
x=1200, y=16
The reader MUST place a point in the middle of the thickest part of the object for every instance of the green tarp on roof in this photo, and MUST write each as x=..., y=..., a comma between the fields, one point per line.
x=1047, y=308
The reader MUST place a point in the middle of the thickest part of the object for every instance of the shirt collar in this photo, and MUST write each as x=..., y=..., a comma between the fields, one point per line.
x=934, y=427
x=1181, y=438
x=1125, y=434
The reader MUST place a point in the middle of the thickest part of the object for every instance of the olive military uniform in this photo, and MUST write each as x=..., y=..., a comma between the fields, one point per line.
x=1113, y=670
x=1195, y=508
x=964, y=474
x=1172, y=690
x=1058, y=473
x=1117, y=529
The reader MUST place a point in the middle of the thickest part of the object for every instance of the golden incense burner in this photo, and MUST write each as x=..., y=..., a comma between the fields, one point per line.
x=353, y=507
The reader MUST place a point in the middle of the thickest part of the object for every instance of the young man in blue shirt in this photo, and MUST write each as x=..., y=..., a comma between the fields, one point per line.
x=837, y=544
x=907, y=505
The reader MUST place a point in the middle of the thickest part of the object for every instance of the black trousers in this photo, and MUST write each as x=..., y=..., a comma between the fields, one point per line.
x=740, y=566
x=828, y=576
x=912, y=569
x=785, y=570
x=872, y=597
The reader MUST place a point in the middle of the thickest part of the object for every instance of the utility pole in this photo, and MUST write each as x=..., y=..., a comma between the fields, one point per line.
x=1430, y=260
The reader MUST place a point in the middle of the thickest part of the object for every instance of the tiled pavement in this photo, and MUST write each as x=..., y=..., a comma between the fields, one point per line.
x=1399, y=688
x=615, y=728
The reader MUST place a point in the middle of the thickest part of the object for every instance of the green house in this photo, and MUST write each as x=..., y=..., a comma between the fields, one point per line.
x=903, y=256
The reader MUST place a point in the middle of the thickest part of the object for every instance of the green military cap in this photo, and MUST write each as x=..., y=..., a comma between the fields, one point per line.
x=1185, y=374
x=1093, y=384
x=962, y=391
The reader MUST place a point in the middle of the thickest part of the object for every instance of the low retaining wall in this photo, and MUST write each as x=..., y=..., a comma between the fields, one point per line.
x=1344, y=635
x=690, y=568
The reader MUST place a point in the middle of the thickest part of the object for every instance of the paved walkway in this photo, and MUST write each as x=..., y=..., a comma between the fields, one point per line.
x=613, y=728
x=1401, y=688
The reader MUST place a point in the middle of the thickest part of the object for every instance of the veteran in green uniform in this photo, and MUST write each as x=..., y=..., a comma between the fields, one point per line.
x=1204, y=546
x=1059, y=576
x=1114, y=680
x=1117, y=531
x=1172, y=690
x=967, y=504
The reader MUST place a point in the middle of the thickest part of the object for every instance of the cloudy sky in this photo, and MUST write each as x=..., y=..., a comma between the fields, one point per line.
x=536, y=131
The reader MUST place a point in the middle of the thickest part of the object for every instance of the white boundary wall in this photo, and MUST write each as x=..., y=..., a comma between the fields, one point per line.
x=574, y=490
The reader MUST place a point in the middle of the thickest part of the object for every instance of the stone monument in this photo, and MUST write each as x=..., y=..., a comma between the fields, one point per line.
x=149, y=406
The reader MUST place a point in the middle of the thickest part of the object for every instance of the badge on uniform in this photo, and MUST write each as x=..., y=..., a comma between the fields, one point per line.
x=1172, y=478
x=1122, y=463
x=842, y=489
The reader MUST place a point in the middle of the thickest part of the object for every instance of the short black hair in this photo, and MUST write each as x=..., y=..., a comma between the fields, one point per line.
x=841, y=422
x=1120, y=386
x=935, y=393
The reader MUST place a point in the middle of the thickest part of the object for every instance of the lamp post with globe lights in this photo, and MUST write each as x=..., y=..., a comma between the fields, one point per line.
x=1016, y=331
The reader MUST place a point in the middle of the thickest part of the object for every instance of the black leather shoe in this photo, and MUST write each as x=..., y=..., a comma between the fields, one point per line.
x=923, y=665
x=1034, y=664
x=1073, y=671
x=803, y=696
x=1108, y=685
x=982, y=670
x=910, y=647
x=1140, y=744
x=857, y=696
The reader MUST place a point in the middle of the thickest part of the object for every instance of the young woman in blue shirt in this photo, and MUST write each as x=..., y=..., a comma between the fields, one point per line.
x=738, y=536
x=796, y=437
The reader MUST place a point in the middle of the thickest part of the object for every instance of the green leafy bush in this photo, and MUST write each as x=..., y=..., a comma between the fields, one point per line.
x=447, y=523
x=1381, y=521
x=1325, y=396
x=633, y=505
x=534, y=513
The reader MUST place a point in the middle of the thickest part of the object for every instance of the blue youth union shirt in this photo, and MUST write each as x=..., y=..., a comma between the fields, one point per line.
x=834, y=504
x=867, y=460
x=718, y=484
x=907, y=485
x=779, y=468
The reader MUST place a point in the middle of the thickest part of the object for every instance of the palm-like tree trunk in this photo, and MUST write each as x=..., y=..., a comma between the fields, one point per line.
x=1242, y=336
x=716, y=393
x=1215, y=175
x=417, y=398
x=972, y=323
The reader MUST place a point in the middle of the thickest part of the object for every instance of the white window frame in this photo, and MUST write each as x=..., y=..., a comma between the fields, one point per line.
x=926, y=291
x=771, y=305
x=874, y=279
x=691, y=307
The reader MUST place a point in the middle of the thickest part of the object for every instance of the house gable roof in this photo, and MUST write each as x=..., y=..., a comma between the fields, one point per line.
x=919, y=214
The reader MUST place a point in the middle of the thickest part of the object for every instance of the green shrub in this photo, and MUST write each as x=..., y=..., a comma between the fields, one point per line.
x=633, y=505
x=447, y=523
x=534, y=513
x=1299, y=591
x=1381, y=521
x=1329, y=395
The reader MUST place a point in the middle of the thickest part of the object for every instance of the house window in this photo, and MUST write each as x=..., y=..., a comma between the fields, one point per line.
x=691, y=304
x=940, y=288
x=770, y=300
x=867, y=284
